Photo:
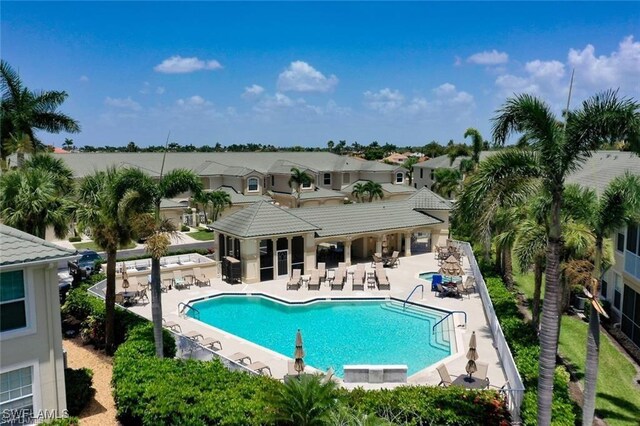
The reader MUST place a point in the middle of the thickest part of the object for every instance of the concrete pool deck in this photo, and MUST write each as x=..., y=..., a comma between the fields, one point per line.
x=403, y=279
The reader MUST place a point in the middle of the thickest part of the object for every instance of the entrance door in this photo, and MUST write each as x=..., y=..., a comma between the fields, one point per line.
x=283, y=268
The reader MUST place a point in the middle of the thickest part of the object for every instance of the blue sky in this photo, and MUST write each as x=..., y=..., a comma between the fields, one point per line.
x=305, y=73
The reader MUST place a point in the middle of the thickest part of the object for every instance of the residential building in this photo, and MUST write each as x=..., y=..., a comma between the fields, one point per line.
x=424, y=172
x=31, y=358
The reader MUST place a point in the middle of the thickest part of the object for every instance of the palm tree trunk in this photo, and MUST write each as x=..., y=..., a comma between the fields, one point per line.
x=110, y=303
x=498, y=265
x=549, y=326
x=593, y=344
x=20, y=159
x=507, y=269
x=537, y=287
x=486, y=249
x=156, y=306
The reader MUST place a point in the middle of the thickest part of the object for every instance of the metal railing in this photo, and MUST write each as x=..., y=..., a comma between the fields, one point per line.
x=514, y=388
x=181, y=310
x=450, y=314
x=411, y=294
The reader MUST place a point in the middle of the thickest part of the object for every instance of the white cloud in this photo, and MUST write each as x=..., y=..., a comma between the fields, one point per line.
x=302, y=77
x=277, y=101
x=487, y=57
x=124, y=103
x=160, y=90
x=179, y=65
x=84, y=78
x=384, y=100
x=252, y=91
x=193, y=101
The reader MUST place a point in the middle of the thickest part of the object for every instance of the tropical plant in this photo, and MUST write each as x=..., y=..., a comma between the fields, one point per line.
x=297, y=180
x=62, y=175
x=305, y=401
x=23, y=111
x=20, y=144
x=202, y=199
x=31, y=201
x=557, y=149
x=408, y=165
x=109, y=203
x=447, y=182
x=618, y=205
x=220, y=200
x=477, y=144
x=359, y=191
x=373, y=190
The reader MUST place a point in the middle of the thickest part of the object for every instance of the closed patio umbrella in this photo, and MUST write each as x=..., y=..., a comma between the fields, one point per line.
x=125, y=277
x=451, y=267
x=298, y=355
x=472, y=355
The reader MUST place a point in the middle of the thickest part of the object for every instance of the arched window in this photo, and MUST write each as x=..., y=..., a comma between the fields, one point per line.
x=252, y=184
x=399, y=177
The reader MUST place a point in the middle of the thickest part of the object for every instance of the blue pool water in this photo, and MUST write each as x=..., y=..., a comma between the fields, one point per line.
x=334, y=333
x=426, y=275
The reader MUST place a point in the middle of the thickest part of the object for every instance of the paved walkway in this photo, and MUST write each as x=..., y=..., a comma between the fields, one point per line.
x=403, y=279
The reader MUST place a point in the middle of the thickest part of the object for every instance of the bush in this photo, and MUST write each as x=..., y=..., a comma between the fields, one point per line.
x=79, y=390
x=185, y=228
x=67, y=421
x=75, y=239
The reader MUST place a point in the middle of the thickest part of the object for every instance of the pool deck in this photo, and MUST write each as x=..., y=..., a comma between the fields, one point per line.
x=403, y=279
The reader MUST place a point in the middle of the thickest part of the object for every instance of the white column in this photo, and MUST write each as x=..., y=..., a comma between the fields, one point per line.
x=347, y=252
x=379, y=245
x=274, y=241
x=289, y=268
x=407, y=244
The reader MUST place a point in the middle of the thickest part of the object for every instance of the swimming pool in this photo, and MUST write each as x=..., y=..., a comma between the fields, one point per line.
x=335, y=333
x=426, y=275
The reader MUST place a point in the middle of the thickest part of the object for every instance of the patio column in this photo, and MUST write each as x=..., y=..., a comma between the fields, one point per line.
x=379, y=244
x=347, y=252
x=399, y=237
x=274, y=242
x=407, y=244
x=289, y=255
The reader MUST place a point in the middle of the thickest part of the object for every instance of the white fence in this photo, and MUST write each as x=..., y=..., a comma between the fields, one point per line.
x=514, y=388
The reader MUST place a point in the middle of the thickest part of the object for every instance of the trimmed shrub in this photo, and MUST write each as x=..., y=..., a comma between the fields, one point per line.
x=79, y=390
x=185, y=228
x=67, y=421
x=75, y=239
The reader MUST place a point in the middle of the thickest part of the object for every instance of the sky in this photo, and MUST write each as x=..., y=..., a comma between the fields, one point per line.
x=302, y=73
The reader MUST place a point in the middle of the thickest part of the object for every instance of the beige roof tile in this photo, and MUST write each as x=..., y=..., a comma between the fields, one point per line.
x=19, y=247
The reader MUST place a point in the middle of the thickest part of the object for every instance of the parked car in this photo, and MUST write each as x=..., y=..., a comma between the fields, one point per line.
x=85, y=265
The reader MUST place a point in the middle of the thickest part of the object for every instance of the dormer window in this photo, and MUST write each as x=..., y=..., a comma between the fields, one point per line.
x=306, y=185
x=327, y=178
x=252, y=184
x=399, y=177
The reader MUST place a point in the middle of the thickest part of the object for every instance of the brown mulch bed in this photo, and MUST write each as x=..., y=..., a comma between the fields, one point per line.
x=101, y=410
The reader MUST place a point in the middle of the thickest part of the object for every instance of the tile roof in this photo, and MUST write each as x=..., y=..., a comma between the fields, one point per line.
x=389, y=187
x=443, y=161
x=262, y=219
x=425, y=199
x=604, y=166
x=320, y=192
x=239, y=198
x=19, y=247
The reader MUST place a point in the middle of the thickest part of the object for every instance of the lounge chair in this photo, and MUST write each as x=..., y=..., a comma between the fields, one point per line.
x=394, y=260
x=481, y=372
x=171, y=325
x=259, y=367
x=358, y=278
x=210, y=342
x=443, y=291
x=240, y=358
x=179, y=281
x=199, y=278
x=338, y=279
x=194, y=335
x=445, y=377
x=470, y=283
x=376, y=258
x=314, y=280
x=460, y=290
x=322, y=271
x=295, y=280
x=141, y=295
x=383, y=280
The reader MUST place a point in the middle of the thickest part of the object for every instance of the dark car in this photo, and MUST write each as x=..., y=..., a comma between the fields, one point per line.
x=86, y=265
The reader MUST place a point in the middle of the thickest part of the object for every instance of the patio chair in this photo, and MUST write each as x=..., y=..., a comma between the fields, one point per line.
x=322, y=271
x=383, y=280
x=445, y=377
x=240, y=358
x=443, y=291
x=338, y=279
x=376, y=258
x=194, y=335
x=141, y=295
x=460, y=290
x=199, y=278
x=470, y=283
x=178, y=280
x=481, y=373
x=295, y=280
x=394, y=260
x=314, y=280
x=435, y=280
x=210, y=342
x=259, y=367
x=171, y=325
x=358, y=278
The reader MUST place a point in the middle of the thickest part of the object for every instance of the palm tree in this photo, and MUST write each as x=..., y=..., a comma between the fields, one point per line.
x=359, y=191
x=23, y=111
x=62, y=174
x=477, y=143
x=202, y=198
x=408, y=164
x=220, y=200
x=447, y=182
x=305, y=401
x=297, y=180
x=31, y=201
x=557, y=149
x=20, y=144
x=109, y=203
x=373, y=190
x=618, y=205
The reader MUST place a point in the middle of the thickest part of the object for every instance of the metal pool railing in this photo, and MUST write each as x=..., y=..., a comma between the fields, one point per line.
x=411, y=294
x=514, y=389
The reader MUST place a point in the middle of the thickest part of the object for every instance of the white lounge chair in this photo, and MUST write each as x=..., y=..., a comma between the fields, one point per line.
x=259, y=367
x=295, y=280
x=199, y=278
x=171, y=325
x=240, y=358
x=322, y=271
x=179, y=281
x=314, y=280
x=445, y=377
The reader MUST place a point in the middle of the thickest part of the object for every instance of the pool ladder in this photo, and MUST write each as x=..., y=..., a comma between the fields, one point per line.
x=411, y=294
x=183, y=306
x=433, y=329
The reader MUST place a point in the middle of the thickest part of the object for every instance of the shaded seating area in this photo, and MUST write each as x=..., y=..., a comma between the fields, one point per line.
x=199, y=279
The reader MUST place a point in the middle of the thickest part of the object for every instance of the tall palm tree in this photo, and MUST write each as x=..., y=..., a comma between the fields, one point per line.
x=202, y=199
x=373, y=190
x=20, y=144
x=359, y=191
x=220, y=200
x=618, y=205
x=447, y=182
x=62, y=174
x=408, y=165
x=557, y=149
x=31, y=201
x=297, y=180
x=109, y=203
x=477, y=143
x=23, y=111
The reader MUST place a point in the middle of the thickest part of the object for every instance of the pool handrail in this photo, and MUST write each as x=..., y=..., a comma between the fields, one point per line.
x=187, y=305
x=433, y=329
x=411, y=294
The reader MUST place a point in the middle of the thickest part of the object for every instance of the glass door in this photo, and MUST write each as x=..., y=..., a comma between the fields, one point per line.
x=283, y=268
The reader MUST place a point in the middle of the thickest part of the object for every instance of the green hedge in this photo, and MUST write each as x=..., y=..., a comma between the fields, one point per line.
x=78, y=387
x=67, y=421
x=525, y=348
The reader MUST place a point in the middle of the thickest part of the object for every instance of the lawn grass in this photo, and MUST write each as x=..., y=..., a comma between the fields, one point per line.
x=617, y=398
x=90, y=245
x=202, y=235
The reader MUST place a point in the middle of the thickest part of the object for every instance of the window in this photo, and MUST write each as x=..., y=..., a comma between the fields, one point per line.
x=252, y=184
x=604, y=287
x=620, y=242
x=273, y=181
x=617, y=291
x=421, y=173
x=16, y=395
x=306, y=185
x=327, y=178
x=630, y=324
x=632, y=239
x=13, y=306
x=399, y=177
x=433, y=175
x=346, y=178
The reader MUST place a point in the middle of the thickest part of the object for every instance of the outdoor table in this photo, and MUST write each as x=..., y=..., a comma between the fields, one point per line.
x=351, y=273
x=470, y=382
x=127, y=296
